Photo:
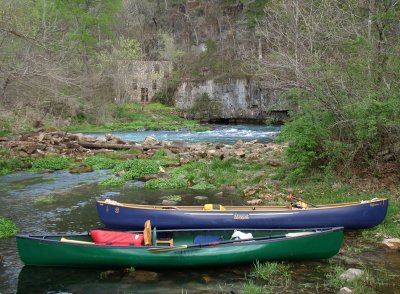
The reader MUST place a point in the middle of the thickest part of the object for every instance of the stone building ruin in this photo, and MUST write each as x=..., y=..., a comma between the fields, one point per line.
x=139, y=81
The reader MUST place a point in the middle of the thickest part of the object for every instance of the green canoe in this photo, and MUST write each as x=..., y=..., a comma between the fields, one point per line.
x=81, y=251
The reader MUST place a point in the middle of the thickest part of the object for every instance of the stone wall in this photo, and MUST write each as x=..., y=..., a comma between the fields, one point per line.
x=138, y=81
x=234, y=100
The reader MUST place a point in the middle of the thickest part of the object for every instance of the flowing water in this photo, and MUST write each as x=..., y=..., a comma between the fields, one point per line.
x=220, y=133
x=74, y=211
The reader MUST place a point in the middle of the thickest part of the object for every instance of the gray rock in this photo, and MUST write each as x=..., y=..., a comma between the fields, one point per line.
x=201, y=198
x=345, y=290
x=392, y=243
x=150, y=141
x=254, y=202
x=220, y=194
x=351, y=274
x=228, y=189
x=169, y=202
x=239, y=143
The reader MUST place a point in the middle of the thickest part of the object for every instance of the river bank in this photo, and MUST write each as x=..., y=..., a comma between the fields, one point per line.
x=73, y=210
x=241, y=173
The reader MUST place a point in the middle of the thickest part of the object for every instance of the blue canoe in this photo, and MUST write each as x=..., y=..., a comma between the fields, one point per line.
x=354, y=215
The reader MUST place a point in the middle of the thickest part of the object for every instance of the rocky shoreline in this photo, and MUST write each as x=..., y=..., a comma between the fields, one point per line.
x=79, y=146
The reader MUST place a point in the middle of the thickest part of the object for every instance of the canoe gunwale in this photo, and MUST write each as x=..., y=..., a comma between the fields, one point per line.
x=313, y=232
x=230, y=209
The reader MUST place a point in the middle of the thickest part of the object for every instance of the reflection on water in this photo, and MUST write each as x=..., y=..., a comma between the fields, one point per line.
x=31, y=280
x=74, y=211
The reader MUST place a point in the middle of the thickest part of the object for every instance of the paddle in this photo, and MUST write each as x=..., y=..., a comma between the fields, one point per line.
x=291, y=197
x=182, y=247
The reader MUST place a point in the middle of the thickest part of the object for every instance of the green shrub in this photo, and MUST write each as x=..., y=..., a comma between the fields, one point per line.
x=7, y=228
x=51, y=163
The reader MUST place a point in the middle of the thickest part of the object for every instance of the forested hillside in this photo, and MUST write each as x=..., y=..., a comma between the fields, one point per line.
x=337, y=61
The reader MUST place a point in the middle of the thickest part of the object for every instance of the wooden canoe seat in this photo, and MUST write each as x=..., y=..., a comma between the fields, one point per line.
x=168, y=241
x=147, y=233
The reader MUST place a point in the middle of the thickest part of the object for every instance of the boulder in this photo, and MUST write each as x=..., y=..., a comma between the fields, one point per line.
x=150, y=141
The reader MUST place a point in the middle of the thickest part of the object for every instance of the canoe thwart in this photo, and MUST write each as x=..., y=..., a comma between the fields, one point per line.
x=65, y=240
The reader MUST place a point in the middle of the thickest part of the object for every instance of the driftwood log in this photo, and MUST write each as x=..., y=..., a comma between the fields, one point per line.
x=91, y=145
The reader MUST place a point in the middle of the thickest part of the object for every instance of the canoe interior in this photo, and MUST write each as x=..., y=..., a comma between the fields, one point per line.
x=184, y=237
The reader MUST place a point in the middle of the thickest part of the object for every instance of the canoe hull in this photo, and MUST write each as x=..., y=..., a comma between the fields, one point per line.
x=357, y=216
x=41, y=252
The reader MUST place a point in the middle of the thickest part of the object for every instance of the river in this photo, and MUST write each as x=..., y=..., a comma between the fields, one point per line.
x=74, y=210
x=228, y=134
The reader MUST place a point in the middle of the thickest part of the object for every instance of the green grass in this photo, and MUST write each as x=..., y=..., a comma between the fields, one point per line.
x=7, y=228
x=131, y=117
x=252, y=288
x=369, y=282
x=130, y=170
x=204, y=174
x=272, y=273
x=327, y=191
x=9, y=164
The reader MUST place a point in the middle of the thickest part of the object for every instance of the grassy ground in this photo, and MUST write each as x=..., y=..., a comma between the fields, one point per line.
x=135, y=116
